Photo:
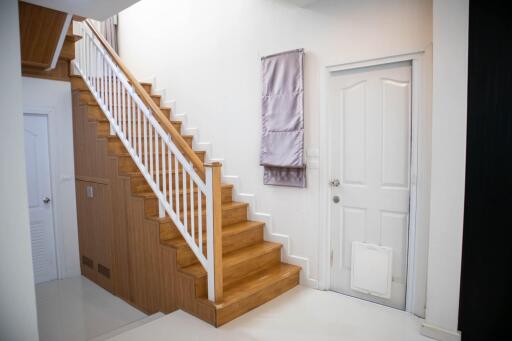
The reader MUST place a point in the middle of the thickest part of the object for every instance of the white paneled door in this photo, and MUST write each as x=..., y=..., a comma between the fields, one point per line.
x=37, y=160
x=370, y=110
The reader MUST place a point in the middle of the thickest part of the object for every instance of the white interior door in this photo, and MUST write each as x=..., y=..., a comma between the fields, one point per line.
x=371, y=113
x=37, y=160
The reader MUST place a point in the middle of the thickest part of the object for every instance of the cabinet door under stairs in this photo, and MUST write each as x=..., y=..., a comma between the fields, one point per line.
x=94, y=212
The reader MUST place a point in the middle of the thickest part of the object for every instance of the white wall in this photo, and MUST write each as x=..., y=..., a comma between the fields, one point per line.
x=55, y=97
x=206, y=54
x=18, y=317
x=449, y=112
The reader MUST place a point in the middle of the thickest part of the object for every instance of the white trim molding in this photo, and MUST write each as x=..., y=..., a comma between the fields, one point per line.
x=270, y=233
x=420, y=174
x=439, y=333
x=60, y=42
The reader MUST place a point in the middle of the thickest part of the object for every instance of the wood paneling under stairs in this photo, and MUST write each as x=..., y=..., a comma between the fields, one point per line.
x=95, y=231
x=152, y=266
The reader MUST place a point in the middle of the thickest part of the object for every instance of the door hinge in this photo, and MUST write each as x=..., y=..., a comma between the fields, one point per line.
x=332, y=257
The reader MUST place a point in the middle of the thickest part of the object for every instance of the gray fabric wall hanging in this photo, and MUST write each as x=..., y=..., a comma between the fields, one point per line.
x=282, y=141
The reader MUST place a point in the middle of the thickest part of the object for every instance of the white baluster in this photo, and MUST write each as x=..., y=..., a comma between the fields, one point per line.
x=119, y=106
x=169, y=160
x=192, y=218
x=129, y=117
x=200, y=219
x=177, y=186
x=103, y=80
x=139, y=132
x=184, y=198
x=123, y=108
x=114, y=99
x=151, y=153
x=161, y=210
x=145, y=141
x=111, y=97
x=164, y=177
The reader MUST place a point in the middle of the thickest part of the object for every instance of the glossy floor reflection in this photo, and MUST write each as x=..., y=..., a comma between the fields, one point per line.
x=300, y=314
x=75, y=309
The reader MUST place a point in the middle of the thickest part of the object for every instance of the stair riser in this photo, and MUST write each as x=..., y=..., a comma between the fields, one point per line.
x=232, y=311
x=147, y=87
x=157, y=100
x=168, y=231
x=186, y=257
x=94, y=113
x=151, y=204
x=233, y=273
x=78, y=84
x=68, y=49
x=234, y=215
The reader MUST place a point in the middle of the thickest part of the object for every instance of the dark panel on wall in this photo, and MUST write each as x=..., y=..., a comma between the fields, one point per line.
x=486, y=259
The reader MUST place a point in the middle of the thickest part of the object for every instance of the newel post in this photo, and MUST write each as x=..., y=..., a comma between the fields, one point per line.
x=215, y=284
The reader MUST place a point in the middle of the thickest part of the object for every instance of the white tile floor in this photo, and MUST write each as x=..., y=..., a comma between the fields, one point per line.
x=300, y=314
x=75, y=309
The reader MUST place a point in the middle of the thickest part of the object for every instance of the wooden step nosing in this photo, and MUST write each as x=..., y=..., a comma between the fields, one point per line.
x=291, y=271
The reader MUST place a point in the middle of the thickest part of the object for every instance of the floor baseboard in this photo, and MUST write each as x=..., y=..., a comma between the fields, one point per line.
x=439, y=333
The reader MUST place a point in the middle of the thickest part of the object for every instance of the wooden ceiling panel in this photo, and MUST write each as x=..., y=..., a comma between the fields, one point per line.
x=40, y=29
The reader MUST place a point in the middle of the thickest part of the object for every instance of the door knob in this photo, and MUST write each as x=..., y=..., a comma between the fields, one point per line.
x=335, y=199
x=334, y=182
x=46, y=200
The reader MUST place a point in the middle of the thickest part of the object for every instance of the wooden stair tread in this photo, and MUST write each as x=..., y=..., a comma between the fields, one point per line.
x=235, y=257
x=73, y=38
x=153, y=195
x=254, y=283
x=229, y=230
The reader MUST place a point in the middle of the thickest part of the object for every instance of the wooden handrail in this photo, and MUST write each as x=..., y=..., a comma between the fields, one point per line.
x=146, y=98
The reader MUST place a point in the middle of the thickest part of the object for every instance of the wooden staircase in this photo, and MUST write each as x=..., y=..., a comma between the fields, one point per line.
x=252, y=269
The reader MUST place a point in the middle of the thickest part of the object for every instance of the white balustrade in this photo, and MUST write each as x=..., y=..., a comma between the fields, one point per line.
x=151, y=148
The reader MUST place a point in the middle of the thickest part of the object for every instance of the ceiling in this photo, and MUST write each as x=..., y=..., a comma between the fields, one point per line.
x=95, y=9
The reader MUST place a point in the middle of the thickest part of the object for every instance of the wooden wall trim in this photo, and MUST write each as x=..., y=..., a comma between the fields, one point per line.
x=103, y=181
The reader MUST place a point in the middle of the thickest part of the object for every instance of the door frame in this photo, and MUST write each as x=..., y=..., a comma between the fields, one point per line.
x=57, y=229
x=417, y=250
